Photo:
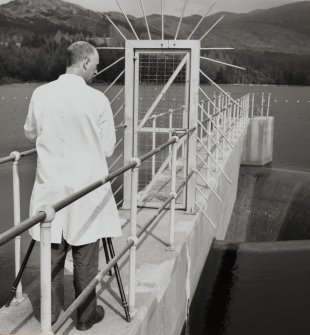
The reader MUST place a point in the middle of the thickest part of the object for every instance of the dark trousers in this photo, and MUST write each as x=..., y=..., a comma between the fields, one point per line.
x=85, y=268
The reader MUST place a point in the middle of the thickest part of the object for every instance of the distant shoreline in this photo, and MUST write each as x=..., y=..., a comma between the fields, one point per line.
x=107, y=83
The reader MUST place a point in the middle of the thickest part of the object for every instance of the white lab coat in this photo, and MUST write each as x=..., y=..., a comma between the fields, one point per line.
x=72, y=125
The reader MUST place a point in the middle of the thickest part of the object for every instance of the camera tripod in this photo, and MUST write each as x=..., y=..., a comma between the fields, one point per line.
x=109, y=254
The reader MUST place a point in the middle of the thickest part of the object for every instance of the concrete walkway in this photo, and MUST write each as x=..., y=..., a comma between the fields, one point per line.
x=155, y=266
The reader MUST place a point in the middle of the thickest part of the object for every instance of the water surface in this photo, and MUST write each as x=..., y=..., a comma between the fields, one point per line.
x=253, y=289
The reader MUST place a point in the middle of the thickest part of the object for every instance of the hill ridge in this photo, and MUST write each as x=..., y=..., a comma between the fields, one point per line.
x=284, y=29
x=273, y=44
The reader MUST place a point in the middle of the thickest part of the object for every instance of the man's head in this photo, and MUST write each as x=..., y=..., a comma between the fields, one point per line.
x=82, y=60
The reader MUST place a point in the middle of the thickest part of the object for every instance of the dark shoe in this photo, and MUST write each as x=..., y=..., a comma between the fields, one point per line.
x=99, y=315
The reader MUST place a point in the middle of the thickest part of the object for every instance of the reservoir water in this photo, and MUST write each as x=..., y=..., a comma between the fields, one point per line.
x=246, y=288
x=253, y=289
x=257, y=280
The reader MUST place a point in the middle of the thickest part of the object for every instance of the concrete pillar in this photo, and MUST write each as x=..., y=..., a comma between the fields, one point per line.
x=259, y=141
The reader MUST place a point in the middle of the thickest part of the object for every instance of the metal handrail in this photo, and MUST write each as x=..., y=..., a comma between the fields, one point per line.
x=6, y=159
x=46, y=215
x=171, y=110
x=155, y=177
x=121, y=125
x=134, y=236
x=15, y=157
x=31, y=221
x=22, y=154
x=33, y=151
x=81, y=298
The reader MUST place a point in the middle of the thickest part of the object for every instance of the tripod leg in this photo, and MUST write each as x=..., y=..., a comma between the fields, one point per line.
x=106, y=252
x=119, y=281
x=20, y=272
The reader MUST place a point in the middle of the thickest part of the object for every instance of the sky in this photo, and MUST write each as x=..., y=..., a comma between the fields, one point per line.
x=174, y=7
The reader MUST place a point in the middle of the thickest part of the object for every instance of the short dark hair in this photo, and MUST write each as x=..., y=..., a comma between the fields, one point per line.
x=78, y=51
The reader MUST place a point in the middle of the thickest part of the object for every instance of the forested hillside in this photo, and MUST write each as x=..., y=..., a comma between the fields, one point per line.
x=273, y=45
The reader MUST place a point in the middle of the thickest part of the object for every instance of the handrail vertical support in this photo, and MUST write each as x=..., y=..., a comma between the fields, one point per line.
x=209, y=143
x=201, y=134
x=170, y=131
x=173, y=193
x=268, y=105
x=192, y=100
x=133, y=237
x=230, y=123
x=129, y=131
x=46, y=270
x=248, y=106
x=153, y=144
x=235, y=121
x=224, y=118
x=252, y=107
x=19, y=297
x=262, y=104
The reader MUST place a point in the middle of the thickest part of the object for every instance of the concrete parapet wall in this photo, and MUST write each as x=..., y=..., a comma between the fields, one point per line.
x=259, y=141
x=194, y=236
x=203, y=233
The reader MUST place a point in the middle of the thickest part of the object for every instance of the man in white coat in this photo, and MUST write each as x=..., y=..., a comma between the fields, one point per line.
x=72, y=125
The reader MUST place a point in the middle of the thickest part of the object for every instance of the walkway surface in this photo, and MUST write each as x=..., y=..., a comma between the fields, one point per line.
x=154, y=268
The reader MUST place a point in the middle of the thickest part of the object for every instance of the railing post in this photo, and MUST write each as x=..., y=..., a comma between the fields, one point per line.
x=16, y=205
x=173, y=193
x=263, y=100
x=229, y=122
x=184, y=145
x=240, y=116
x=222, y=117
x=209, y=143
x=201, y=118
x=225, y=115
x=233, y=121
x=216, y=131
x=133, y=237
x=252, y=109
x=244, y=111
x=268, y=104
x=153, y=143
x=46, y=270
x=237, y=119
x=170, y=130
x=248, y=107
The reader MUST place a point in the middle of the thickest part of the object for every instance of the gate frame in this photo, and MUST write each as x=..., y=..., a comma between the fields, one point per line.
x=191, y=46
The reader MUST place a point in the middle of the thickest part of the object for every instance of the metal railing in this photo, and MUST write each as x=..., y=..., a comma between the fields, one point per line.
x=15, y=158
x=259, y=104
x=46, y=215
x=220, y=121
x=160, y=123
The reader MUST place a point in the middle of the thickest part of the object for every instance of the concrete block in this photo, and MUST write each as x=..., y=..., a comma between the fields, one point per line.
x=259, y=142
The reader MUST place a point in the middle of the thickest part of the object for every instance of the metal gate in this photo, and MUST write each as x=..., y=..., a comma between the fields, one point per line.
x=160, y=92
x=161, y=106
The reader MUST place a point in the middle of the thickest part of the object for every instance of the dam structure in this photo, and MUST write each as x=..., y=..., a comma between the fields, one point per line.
x=175, y=180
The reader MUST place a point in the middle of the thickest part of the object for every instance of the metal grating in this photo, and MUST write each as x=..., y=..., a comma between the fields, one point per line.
x=154, y=71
